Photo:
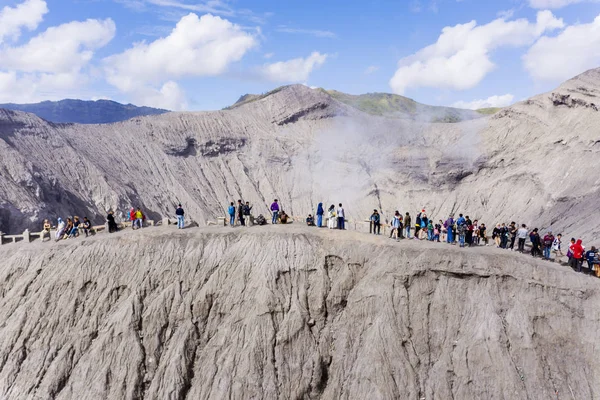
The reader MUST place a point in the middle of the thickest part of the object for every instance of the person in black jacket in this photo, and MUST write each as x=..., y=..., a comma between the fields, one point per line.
x=534, y=236
x=112, y=225
x=240, y=210
x=246, y=210
x=180, y=217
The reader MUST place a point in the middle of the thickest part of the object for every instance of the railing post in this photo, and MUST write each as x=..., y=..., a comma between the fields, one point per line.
x=1, y=238
x=26, y=236
x=165, y=221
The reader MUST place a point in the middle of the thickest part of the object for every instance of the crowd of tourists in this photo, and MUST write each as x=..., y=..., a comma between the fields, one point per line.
x=462, y=231
x=74, y=226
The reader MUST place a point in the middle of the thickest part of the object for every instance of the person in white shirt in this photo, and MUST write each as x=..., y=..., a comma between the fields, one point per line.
x=331, y=217
x=522, y=236
x=341, y=217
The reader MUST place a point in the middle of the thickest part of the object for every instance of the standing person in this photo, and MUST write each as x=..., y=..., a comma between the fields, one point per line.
x=131, y=217
x=590, y=256
x=274, y=211
x=320, y=212
x=407, y=222
x=417, y=225
x=534, y=237
x=512, y=231
x=46, y=230
x=522, y=236
x=180, y=216
x=60, y=229
x=396, y=225
x=430, y=229
x=437, y=231
x=503, y=236
x=424, y=223
x=376, y=222
x=240, y=212
x=556, y=246
x=496, y=234
x=483, y=234
x=577, y=255
x=247, y=218
x=87, y=226
x=331, y=217
x=449, y=225
x=139, y=218
x=462, y=230
x=112, y=225
x=548, y=241
x=231, y=212
x=341, y=217
x=476, y=233
x=569, y=251
x=469, y=232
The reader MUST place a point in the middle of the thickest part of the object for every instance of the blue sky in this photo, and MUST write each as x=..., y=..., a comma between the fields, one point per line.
x=202, y=55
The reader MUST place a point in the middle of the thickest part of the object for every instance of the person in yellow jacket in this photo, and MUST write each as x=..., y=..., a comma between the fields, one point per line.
x=139, y=218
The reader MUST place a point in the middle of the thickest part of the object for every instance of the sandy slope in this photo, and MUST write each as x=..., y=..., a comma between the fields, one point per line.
x=290, y=312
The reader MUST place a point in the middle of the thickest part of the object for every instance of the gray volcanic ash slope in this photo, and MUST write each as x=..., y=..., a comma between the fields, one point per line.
x=290, y=312
x=535, y=162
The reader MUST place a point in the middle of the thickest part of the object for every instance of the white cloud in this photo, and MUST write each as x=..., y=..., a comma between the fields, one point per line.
x=18, y=87
x=573, y=51
x=546, y=4
x=170, y=96
x=268, y=55
x=28, y=15
x=203, y=46
x=60, y=49
x=460, y=58
x=295, y=70
x=371, y=69
x=311, y=32
x=493, y=101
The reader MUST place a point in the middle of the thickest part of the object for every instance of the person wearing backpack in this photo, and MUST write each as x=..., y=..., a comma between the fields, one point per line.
x=376, y=222
x=462, y=230
x=231, y=212
x=180, y=216
x=548, y=241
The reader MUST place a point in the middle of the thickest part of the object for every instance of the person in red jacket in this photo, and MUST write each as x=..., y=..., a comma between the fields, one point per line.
x=132, y=217
x=576, y=259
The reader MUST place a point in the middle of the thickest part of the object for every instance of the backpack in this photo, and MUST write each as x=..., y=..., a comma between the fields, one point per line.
x=231, y=210
x=260, y=220
x=548, y=242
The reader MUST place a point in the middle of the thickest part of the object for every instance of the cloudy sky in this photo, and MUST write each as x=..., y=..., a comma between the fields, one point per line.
x=204, y=54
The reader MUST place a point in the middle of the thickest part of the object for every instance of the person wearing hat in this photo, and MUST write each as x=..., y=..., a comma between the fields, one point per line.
x=548, y=241
x=180, y=216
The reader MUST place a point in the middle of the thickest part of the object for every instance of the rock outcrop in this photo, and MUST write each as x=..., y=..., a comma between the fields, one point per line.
x=290, y=313
x=534, y=162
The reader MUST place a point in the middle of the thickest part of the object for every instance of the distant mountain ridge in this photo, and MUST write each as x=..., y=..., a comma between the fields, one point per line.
x=84, y=111
x=385, y=105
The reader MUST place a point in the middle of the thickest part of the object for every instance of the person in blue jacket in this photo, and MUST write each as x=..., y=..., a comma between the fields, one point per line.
x=231, y=212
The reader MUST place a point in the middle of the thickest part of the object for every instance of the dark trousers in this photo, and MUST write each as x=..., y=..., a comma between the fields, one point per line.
x=521, y=245
x=512, y=242
x=241, y=218
x=340, y=223
x=503, y=241
x=376, y=228
x=535, y=250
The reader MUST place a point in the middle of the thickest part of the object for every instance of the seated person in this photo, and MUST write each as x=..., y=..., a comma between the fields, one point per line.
x=310, y=220
x=46, y=230
x=283, y=217
x=87, y=226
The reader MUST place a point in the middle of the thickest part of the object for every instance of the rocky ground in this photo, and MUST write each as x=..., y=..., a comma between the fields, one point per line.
x=290, y=312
